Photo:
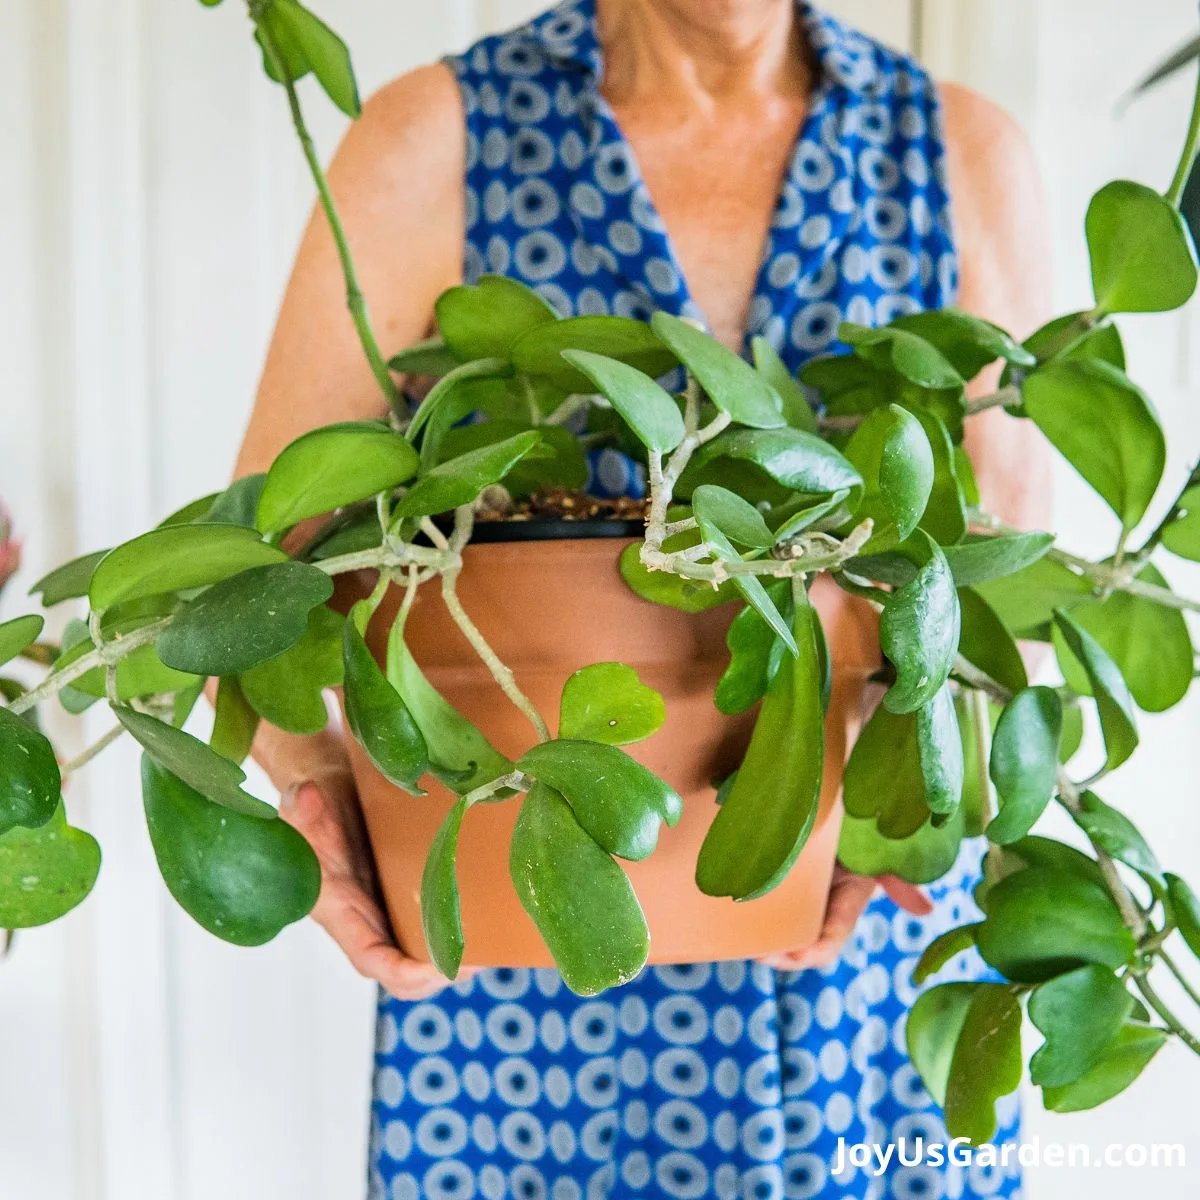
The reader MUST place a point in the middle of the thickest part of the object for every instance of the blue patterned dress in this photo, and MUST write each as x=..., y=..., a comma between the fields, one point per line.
x=729, y=1080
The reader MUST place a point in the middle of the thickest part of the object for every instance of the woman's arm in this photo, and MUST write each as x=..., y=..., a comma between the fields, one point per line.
x=397, y=180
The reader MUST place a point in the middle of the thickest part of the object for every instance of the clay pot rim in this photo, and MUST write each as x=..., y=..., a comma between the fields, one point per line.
x=555, y=530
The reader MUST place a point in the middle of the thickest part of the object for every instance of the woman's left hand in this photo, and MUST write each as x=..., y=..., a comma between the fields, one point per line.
x=849, y=895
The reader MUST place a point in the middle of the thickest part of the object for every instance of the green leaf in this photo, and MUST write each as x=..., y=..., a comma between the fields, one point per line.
x=800, y=461
x=883, y=777
x=797, y=410
x=1118, y=837
x=1142, y=254
x=69, y=581
x=1024, y=762
x=193, y=510
x=1025, y=601
x=921, y=857
x=750, y=587
x=1072, y=734
x=1185, y=909
x=379, y=718
x=141, y=673
x=241, y=877
x=244, y=620
x=485, y=319
x=942, y=949
x=453, y=397
x=932, y=1030
x=45, y=872
x=214, y=777
x=1149, y=642
x=945, y=516
x=18, y=635
x=771, y=809
x=1043, y=921
x=729, y=381
x=718, y=508
x=606, y=702
x=461, y=479
x=235, y=723
x=431, y=357
x=919, y=629
x=176, y=559
x=987, y=1062
x=441, y=912
x=1120, y=1064
x=1113, y=701
x=578, y=897
x=755, y=654
x=283, y=55
x=896, y=349
x=618, y=801
x=645, y=407
x=1101, y=422
x=1079, y=1014
x=1076, y=335
x=661, y=587
x=237, y=504
x=796, y=520
x=540, y=351
x=1182, y=535
x=968, y=343
x=939, y=749
x=331, y=467
x=984, y=559
x=287, y=690
x=986, y=643
x=325, y=53
x=30, y=784
x=559, y=462
x=893, y=455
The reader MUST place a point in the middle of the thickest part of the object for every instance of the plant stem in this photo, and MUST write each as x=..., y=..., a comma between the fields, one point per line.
x=1176, y=1026
x=1006, y=397
x=517, y=781
x=86, y=756
x=982, y=729
x=1151, y=543
x=1174, y=193
x=354, y=298
x=1180, y=978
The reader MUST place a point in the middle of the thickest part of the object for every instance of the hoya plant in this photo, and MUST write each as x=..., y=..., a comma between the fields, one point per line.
x=758, y=483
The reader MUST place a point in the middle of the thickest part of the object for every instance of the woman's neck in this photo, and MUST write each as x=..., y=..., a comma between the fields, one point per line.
x=702, y=52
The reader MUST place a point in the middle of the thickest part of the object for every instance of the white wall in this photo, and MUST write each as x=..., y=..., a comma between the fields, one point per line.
x=151, y=199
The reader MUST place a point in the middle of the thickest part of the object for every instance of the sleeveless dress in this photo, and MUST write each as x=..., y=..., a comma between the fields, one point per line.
x=728, y=1080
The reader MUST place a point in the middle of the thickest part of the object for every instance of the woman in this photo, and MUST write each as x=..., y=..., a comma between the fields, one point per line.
x=623, y=155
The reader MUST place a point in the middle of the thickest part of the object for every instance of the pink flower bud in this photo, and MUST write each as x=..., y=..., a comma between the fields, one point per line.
x=10, y=548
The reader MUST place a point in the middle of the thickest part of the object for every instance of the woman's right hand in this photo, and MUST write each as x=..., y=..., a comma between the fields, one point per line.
x=348, y=909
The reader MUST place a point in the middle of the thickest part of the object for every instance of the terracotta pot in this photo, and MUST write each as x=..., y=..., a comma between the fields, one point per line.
x=549, y=608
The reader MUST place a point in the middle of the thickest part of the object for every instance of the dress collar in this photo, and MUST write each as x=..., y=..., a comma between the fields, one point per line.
x=844, y=58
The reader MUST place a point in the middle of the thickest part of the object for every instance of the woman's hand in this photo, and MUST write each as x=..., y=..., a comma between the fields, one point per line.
x=348, y=909
x=849, y=895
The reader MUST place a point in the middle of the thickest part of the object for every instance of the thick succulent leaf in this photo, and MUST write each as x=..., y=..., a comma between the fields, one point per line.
x=645, y=407
x=939, y=749
x=942, y=949
x=244, y=620
x=770, y=810
x=883, y=776
x=719, y=508
x=325, y=52
x=794, y=458
x=1142, y=254
x=922, y=857
x=919, y=629
x=485, y=319
x=237, y=504
x=30, y=784
x=458, y=393
x=1026, y=600
x=243, y=878
x=662, y=587
x=1118, y=837
x=1079, y=1014
x=69, y=581
x=977, y=560
x=945, y=516
x=45, y=872
x=896, y=349
x=1185, y=910
x=329, y=468
x=755, y=654
x=607, y=702
x=177, y=558
x=894, y=457
x=193, y=763
x=968, y=343
x=459, y=480
x=797, y=410
x=1044, y=921
x=1024, y=762
x=379, y=718
x=1113, y=701
x=987, y=1063
x=619, y=802
x=932, y=1030
x=751, y=587
x=459, y=755
x=441, y=910
x=1101, y=422
x=1182, y=535
x=1076, y=335
x=19, y=634
x=235, y=723
x=1121, y=1063
x=430, y=358
x=287, y=690
x=579, y=898
x=987, y=644
x=729, y=381
x=540, y=351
